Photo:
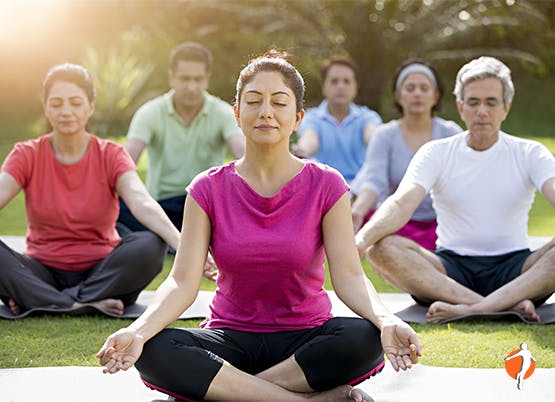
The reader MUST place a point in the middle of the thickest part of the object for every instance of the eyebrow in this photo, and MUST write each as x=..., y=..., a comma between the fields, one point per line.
x=486, y=98
x=70, y=98
x=274, y=93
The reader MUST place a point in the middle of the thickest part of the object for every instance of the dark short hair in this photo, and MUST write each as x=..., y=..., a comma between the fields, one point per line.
x=191, y=51
x=338, y=60
x=439, y=85
x=69, y=72
x=273, y=61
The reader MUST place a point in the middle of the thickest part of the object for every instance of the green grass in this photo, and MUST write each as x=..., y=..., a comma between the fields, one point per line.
x=63, y=341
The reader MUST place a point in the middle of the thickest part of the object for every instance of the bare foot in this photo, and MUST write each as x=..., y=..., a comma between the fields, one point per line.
x=527, y=309
x=342, y=393
x=14, y=307
x=359, y=395
x=112, y=306
x=440, y=311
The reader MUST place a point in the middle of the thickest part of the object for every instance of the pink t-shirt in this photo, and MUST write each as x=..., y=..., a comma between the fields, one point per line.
x=71, y=209
x=269, y=250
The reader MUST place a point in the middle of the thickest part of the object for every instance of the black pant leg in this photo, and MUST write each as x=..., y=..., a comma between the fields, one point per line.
x=182, y=362
x=173, y=207
x=28, y=282
x=126, y=271
x=347, y=351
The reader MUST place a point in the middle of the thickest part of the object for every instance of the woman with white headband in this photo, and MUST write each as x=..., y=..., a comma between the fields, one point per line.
x=417, y=93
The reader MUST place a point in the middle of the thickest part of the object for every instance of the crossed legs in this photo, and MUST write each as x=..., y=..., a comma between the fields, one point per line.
x=222, y=364
x=417, y=271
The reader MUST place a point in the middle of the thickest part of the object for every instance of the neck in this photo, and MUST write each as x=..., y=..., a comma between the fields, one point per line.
x=480, y=142
x=187, y=113
x=69, y=149
x=265, y=161
x=339, y=111
x=417, y=123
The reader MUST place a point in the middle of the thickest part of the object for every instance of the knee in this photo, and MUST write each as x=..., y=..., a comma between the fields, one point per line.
x=150, y=249
x=364, y=342
x=383, y=252
x=383, y=248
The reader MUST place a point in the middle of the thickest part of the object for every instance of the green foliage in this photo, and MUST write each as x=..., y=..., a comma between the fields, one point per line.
x=121, y=78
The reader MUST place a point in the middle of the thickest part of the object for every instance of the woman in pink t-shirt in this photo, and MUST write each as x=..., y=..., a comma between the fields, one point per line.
x=269, y=219
x=71, y=180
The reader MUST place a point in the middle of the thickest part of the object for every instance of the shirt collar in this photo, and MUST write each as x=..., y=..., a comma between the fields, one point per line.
x=168, y=100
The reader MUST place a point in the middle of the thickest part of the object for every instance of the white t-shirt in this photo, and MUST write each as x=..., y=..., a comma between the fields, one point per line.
x=482, y=198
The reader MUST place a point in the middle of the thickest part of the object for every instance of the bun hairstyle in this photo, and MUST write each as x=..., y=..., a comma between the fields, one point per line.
x=273, y=60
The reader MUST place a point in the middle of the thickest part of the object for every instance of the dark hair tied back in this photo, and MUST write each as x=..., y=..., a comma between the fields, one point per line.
x=273, y=60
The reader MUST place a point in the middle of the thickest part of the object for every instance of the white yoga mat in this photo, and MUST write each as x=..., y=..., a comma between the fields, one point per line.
x=421, y=383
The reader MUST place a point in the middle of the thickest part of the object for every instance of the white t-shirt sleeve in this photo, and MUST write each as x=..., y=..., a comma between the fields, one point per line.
x=425, y=167
x=540, y=163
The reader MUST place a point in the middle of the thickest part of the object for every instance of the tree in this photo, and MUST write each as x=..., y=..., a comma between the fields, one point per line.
x=377, y=34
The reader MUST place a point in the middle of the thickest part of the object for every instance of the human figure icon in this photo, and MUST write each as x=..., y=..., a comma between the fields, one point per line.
x=526, y=362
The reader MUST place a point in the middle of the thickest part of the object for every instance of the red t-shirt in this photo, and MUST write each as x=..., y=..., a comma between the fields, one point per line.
x=71, y=209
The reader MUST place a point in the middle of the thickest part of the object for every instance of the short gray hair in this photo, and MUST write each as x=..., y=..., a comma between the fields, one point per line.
x=482, y=68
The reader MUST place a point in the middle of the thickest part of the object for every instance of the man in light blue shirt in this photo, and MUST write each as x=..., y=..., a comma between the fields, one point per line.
x=337, y=131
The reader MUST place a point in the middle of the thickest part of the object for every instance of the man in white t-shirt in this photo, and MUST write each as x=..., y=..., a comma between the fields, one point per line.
x=482, y=183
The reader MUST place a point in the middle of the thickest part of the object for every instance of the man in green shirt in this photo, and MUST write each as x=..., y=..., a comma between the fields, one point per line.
x=185, y=131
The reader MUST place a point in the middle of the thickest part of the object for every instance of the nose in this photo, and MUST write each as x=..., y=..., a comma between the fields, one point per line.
x=482, y=108
x=66, y=108
x=266, y=109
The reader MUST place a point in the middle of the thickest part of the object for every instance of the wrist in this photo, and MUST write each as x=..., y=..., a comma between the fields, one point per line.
x=388, y=320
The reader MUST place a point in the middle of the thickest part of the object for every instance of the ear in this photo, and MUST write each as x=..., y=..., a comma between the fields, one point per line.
x=396, y=95
x=92, y=106
x=459, y=107
x=298, y=118
x=508, y=107
x=236, y=111
x=170, y=76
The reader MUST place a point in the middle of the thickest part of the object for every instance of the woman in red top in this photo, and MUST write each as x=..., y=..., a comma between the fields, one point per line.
x=71, y=180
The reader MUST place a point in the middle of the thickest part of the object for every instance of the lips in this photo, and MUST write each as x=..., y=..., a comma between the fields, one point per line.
x=265, y=127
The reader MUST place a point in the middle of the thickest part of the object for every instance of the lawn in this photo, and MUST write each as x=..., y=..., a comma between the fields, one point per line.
x=64, y=341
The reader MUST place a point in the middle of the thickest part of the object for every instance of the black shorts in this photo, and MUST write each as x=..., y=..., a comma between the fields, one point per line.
x=483, y=274
x=183, y=362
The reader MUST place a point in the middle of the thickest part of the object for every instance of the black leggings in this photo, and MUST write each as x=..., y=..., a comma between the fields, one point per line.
x=183, y=362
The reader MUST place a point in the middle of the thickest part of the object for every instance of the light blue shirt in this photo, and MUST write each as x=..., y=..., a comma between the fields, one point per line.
x=341, y=143
x=388, y=158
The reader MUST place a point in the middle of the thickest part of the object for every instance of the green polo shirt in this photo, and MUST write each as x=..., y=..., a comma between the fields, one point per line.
x=176, y=153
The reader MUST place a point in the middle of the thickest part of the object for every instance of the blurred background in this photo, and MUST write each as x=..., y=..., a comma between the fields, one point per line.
x=126, y=44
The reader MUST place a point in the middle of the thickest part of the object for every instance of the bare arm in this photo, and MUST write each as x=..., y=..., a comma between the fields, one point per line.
x=236, y=145
x=355, y=290
x=143, y=207
x=122, y=349
x=8, y=189
x=368, y=131
x=347, y=276
x=135, y=148
x=181, y=287
x=395, y=212
x=365, y=201
x=548, y=191
x=307, y=145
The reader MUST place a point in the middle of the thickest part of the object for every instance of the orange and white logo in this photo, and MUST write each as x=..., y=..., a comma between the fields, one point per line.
x=520, y=364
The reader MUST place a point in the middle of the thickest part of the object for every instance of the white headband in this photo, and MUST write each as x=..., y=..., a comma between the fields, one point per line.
x=415, y=68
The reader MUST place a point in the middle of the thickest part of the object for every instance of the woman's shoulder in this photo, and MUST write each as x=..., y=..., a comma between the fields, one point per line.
x=213, y=174
x=321, y=172
x=388, y=128
x=447, y=126
x=31, y=145
x=105, y=143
